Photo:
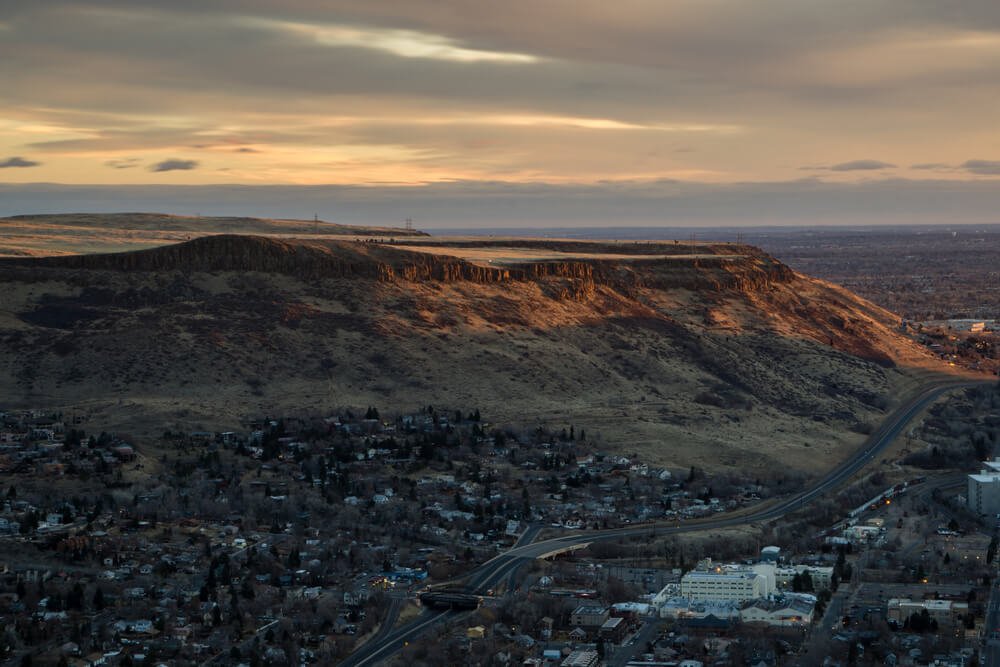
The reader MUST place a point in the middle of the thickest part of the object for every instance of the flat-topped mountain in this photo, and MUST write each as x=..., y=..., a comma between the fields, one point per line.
x=72, y=233
x=693, y=354
x=584, y=264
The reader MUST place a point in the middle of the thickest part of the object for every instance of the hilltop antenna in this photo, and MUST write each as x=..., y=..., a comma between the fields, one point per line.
x=409, y=224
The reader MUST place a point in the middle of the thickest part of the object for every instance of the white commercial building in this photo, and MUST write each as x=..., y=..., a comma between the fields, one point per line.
x=983, y=496
x=769, y=571
x=738, y=586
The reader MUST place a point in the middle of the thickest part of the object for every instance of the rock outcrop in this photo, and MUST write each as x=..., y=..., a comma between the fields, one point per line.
x=659, y=266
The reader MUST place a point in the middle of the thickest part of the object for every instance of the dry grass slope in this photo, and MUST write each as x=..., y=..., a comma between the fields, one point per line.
x=715, y=355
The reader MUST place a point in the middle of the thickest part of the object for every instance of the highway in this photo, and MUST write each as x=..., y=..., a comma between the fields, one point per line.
x=487, y=575
x=991, y=647
x=991, y=629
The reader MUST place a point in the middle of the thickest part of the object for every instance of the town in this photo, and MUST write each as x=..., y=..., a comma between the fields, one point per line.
x=299, y=539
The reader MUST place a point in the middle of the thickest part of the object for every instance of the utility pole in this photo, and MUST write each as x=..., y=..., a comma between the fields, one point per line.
x=409, y=224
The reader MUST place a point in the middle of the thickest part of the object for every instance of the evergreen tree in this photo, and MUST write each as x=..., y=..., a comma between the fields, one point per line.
x=75, y=598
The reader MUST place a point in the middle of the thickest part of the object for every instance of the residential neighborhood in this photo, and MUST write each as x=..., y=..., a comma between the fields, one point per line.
x=296, y=540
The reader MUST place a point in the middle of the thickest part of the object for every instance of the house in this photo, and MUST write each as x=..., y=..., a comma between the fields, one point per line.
x=124, y=452
x=140, y=626
x=545, y=627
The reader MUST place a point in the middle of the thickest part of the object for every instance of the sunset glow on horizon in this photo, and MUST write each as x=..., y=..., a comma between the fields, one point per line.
x=357, y=93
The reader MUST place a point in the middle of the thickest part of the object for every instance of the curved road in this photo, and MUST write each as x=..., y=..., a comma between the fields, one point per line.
x=489, y=573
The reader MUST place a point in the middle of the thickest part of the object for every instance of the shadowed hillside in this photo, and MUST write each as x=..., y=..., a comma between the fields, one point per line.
x=715, y=355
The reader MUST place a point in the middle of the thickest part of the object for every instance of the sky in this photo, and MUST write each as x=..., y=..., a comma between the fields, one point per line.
x=521, y=112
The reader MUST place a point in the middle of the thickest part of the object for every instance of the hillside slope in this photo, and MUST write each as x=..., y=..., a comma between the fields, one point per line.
x=713, y=355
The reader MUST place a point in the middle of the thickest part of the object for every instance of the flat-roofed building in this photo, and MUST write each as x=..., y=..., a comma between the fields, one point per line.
x=945, y=612
x=983, y=495
x=589, y=616
x=737, y=586
x=822, y=577
x=613, y=630
x=582, y=659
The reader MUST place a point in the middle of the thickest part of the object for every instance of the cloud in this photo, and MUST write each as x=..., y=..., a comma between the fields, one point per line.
x=126, y=163
x=441, y=89
x=931, y=166
x=18, y=162
x=246, y=149
x=402, y=43
x=982, y=167
x=175, y=165
x=862, y=165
